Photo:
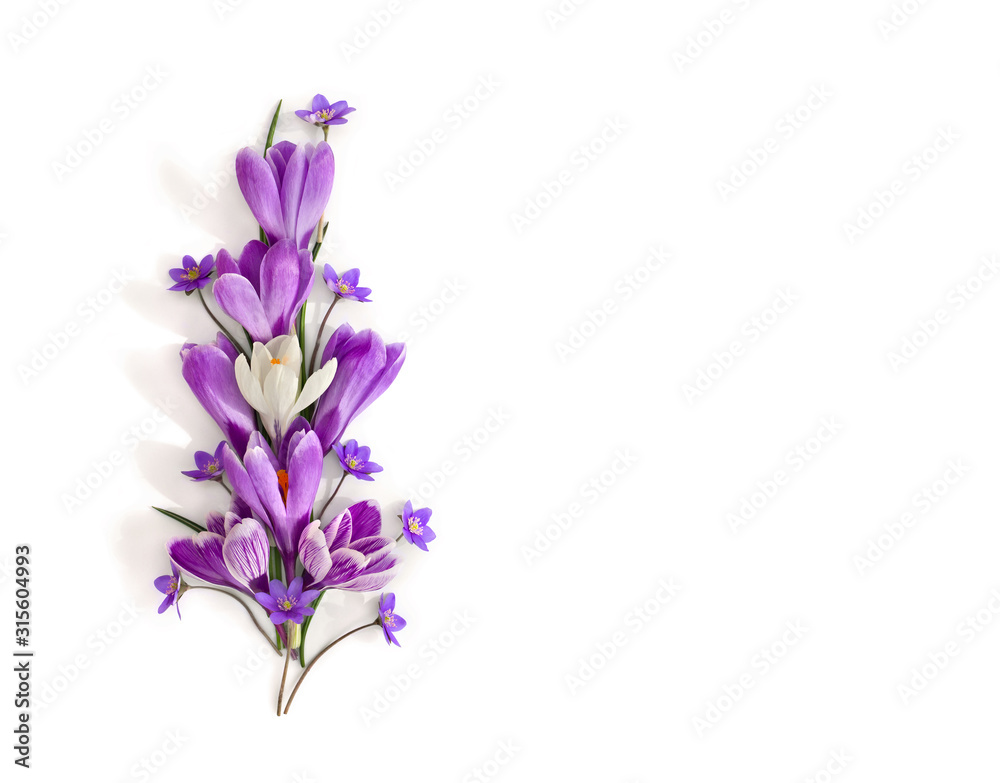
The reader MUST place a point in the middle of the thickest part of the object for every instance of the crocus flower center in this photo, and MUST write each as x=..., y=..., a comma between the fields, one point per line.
x=283, y=485
x=414, y=525
x=275, y=361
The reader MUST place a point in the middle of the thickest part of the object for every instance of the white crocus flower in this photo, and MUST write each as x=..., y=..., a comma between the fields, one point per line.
x=270, y=382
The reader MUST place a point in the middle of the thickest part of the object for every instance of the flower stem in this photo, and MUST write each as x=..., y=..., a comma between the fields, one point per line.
x=319, y=655
x=284, y=675
x=218, y=323
x=399, y=538
x=242, y=603
x=333, y=495
x=319, y=334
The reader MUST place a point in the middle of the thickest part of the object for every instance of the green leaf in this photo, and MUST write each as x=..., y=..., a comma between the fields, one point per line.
x=270, y=132
x=305, y=630
x=183, y=520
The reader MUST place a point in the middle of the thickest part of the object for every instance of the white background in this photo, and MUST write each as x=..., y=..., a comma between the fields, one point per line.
x=118, y=687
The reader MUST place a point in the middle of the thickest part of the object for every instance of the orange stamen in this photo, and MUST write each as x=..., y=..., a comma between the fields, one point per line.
x=283, y=485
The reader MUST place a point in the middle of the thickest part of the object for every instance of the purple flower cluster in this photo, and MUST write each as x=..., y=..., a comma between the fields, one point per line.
x=276, y=547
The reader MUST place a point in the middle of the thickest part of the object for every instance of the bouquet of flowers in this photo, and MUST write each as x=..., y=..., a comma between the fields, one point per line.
x=283, y=409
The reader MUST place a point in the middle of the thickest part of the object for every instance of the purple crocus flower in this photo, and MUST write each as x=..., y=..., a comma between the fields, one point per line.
x=288, y=191
x=192, y=275
x=287, y=603
x=349, y=552
x=265, y=289
x=169, y=585
x=325, y=113
x=211, y=373
x=281, y=495
x=355, y=460
x=388, y=619
x=232, y=552
x=366, y=367
x=209, y=465
x=415, y=529
x=346, y=286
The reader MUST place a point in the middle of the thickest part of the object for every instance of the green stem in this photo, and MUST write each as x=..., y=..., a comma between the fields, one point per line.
x=284, y=673
x=241, y=603
x=218, y=323
x=305, y=630
x=333, y=495
x=319, y=334
x=312, y=663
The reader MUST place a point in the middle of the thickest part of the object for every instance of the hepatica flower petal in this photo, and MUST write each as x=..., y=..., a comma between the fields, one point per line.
x=325, y=113
x=388, y=619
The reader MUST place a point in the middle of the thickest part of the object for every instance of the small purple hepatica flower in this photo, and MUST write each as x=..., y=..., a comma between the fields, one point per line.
x=169, y=585
x=354, y=459
x=346, y=285
x=388, y=619
x=209, y=466
x=415, y=529
x=325, y=113
x=287, y=603
x=192, y=275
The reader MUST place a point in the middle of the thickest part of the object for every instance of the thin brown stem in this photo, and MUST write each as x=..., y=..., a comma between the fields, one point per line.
x=241, y=603
x=333, y=495
x=218, y=323
x=319, y=334
x=302, y=676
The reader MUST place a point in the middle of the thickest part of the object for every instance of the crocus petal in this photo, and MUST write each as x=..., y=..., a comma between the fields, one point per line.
x=201, y=556
x=238, y=299
x=246, y=552
x=251, y=391
x=317, y=383
x=305, y=471
x=210, y=374
x=279, y=284
x=313, y=552
x=260, y=190
x=315, y=192
x=250, y=261
x=227, y=264
x=366, y=519
x=345, y=565
x=338, y=531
